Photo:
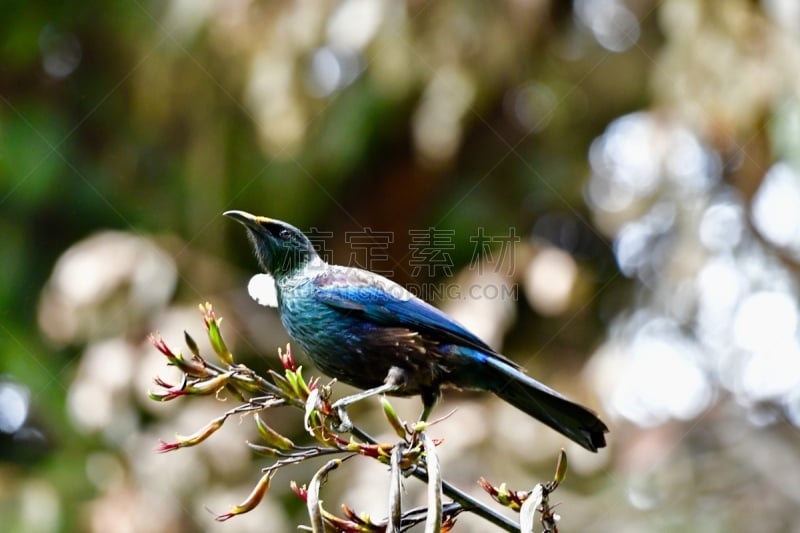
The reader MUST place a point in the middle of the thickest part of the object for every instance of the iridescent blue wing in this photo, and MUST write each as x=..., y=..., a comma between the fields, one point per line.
x=388, y=304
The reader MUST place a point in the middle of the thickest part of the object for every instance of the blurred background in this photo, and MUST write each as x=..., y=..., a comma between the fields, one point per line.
x=608, y=191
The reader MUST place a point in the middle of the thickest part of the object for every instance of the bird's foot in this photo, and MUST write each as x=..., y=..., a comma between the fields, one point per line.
x=344, y=425
x=340, y=405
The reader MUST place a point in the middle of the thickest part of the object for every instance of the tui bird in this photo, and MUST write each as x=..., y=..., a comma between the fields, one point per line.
x=363, y=329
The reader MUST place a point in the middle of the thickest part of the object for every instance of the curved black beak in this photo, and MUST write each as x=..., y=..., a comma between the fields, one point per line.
x=249, y=220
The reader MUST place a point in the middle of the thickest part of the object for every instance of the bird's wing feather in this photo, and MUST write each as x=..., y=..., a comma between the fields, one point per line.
x=386, y=303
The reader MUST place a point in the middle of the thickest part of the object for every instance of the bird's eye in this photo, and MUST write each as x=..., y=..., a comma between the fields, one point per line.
x=284, y=234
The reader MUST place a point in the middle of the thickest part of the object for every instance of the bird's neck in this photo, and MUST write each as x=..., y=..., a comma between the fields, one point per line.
x=308, y=269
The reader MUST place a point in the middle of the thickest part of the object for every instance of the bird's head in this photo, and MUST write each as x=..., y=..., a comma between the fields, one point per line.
x=280, y=248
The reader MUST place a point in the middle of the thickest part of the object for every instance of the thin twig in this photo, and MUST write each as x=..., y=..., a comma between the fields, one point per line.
x=467, y=502
x=433, y=524
x=395, y=507
x=417, y=515
x=313, y=502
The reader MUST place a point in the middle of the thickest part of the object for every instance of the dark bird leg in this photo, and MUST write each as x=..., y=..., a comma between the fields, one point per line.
x=395, y=380
x=429, y=399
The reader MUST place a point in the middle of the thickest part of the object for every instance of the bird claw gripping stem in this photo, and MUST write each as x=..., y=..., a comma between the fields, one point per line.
x=344, y=425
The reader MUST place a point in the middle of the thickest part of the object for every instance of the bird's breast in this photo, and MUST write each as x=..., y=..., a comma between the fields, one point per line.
x=345, y=345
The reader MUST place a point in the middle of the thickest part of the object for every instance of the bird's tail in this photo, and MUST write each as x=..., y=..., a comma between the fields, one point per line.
x=543, y=403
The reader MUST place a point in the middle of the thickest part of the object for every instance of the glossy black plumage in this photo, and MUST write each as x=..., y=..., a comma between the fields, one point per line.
x=368, y=331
